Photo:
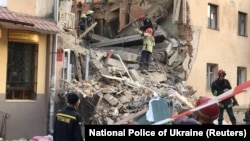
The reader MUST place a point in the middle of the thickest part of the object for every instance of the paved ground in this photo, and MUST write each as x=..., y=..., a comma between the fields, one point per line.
x=239, y=113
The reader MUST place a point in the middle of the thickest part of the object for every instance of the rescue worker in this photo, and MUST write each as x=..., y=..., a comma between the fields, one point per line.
x=219, y=86
x=82, y=24
x=147, y=49
x=209, y=114
x=146, y=23
x=68, y=122
x=90, y=17
x=89, y=21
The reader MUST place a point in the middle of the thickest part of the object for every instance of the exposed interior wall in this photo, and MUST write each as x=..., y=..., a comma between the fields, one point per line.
x=41, y=8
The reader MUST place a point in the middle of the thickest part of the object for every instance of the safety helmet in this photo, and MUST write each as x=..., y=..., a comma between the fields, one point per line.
x=149, y=31
x=141, y=17
x=209, y=114
x=221, y=72
x=90, y=12
x=83, y=15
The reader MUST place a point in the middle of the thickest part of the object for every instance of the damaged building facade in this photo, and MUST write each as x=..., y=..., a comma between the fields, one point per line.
x=194, y=39
x=201, y=31
x=181, y=36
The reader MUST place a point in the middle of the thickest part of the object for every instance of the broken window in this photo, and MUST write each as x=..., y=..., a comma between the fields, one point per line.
x=212, y=16
x=21, y=71
x=241, y=75
x=211, y=74
x=242, y=23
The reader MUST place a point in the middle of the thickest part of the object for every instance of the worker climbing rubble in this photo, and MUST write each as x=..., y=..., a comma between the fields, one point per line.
x=89, y=21
x=147, y=49
x=81, y=25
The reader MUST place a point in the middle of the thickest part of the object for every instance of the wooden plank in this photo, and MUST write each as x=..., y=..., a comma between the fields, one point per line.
x=87, y=30
x=177, y=13
x=99, y=38
x=78, y=67
x=184, y=11
x=174, y=9
x=131, y=116
x=82, y=62
x=97, y=98
x=158, y=33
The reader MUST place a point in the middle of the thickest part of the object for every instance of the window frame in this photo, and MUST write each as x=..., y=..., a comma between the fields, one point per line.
x=240, y=30
x=24, y=87
x=212, y=22
x=241, y=75
x=211, y=74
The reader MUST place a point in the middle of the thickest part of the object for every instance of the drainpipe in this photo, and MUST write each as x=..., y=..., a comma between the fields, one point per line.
x=53, y=73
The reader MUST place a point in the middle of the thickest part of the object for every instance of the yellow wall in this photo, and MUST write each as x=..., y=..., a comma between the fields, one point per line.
x=21, y=6
x=223, y=47
x=40, y=8
x=3, y=60
x=41, y=63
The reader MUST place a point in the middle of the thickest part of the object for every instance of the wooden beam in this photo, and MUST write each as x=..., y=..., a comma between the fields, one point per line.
x=78, y=66
x=121, y=41
x=184, y=11
x=131, y=116
x=87, y=30
x=178, y=9
x=174, y=9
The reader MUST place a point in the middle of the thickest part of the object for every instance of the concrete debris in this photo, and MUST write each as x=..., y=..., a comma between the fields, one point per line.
x=117, y=94
x=114, y=90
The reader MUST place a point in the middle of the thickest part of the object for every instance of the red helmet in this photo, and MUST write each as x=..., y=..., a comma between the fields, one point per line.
x=141, y=17
x=209, y=114
x=149, y=31
x=221, y=72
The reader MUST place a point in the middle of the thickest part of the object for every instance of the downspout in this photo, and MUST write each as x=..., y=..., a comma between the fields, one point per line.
x=53, y=73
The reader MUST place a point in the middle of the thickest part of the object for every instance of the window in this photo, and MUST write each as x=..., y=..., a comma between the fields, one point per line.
x=211, y=74
x=212, y=17
x=21, y=71
x=242, y=24
x=3, y=3
x=241, y=75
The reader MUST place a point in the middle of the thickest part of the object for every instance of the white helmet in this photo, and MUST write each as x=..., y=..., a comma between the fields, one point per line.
x=83, y=15
x=90, y=12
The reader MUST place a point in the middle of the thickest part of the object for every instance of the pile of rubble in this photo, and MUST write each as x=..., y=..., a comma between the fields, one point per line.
x=116, y=92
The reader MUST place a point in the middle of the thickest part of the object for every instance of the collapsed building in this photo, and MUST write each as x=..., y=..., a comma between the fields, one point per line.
x=106, y=72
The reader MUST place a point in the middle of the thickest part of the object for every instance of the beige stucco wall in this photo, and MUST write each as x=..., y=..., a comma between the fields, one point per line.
x=223, y=47
x=41, y=62
x=3, y=60
x=41, y=8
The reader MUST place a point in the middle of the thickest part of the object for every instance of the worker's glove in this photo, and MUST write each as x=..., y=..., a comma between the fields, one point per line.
x=235, y=102
x=137, y=30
